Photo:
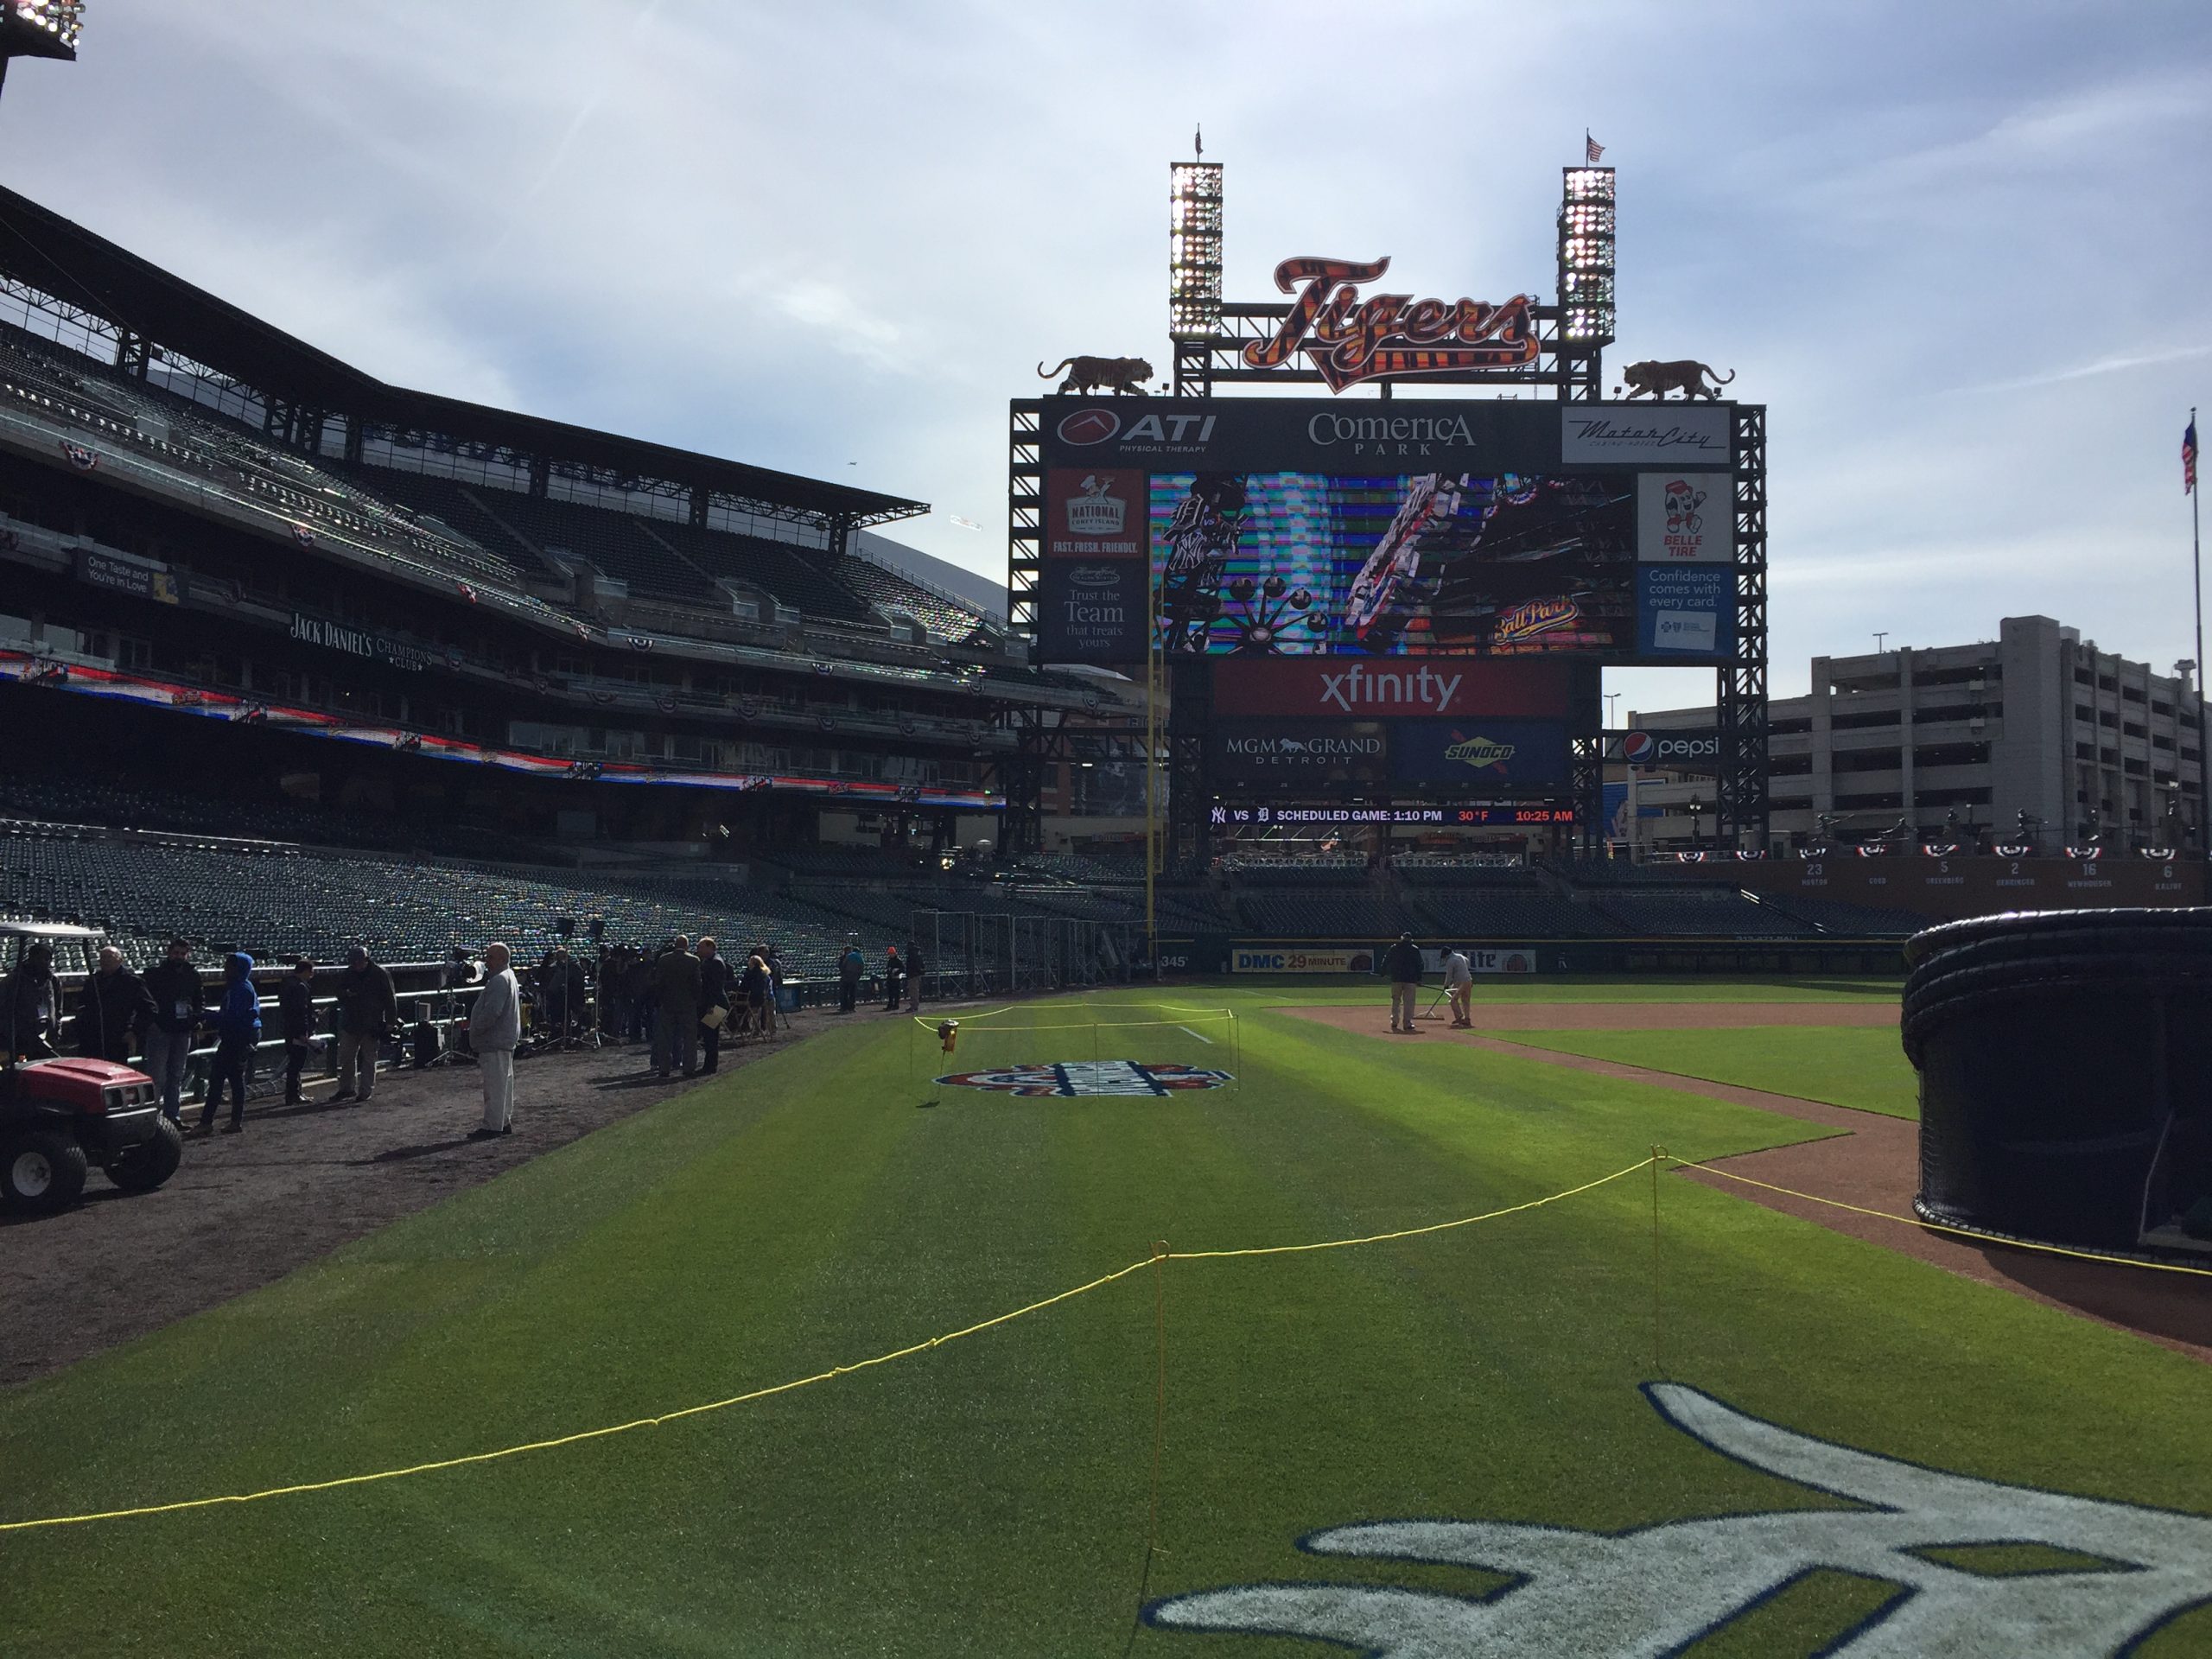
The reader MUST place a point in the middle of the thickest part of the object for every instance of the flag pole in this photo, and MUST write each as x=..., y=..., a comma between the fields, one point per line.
x=2196, y=570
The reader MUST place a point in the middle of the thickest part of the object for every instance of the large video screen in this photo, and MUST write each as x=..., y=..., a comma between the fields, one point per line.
x=1278, y=528
x=1393, y=563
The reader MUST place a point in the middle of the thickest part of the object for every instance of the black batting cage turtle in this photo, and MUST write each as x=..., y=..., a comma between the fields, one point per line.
x=2065, y=1061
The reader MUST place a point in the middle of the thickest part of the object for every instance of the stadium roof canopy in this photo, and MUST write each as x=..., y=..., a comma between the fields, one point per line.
x=84, y=271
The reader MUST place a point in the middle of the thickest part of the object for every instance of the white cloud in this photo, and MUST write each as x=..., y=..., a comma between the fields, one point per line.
x=807, y=236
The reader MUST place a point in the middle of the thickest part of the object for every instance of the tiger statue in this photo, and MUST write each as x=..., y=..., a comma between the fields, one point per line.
x=1118, y=374
x=1686, y=377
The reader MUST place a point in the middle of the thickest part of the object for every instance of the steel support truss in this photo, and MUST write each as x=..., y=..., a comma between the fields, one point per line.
x=1044, y=739
x=1740, y=810
x=1575, y=369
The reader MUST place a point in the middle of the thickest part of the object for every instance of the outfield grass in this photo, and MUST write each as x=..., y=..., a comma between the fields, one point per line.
x=991, y=1496
x=1857, y=1066
x=1294, y=990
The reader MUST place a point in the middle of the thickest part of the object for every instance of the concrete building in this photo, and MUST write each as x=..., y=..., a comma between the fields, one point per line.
x=1950, y=741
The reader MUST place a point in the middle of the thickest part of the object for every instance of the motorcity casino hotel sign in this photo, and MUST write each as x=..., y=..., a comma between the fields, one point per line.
x=1286, y=528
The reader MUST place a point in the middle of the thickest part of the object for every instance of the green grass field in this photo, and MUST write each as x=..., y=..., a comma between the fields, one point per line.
x=1844, y=1065
x=992, y=1494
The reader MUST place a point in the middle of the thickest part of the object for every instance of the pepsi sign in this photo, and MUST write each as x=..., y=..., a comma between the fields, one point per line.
x=1689, y=750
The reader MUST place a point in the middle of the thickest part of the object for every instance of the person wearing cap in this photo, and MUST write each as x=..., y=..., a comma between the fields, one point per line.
x=238, y=1030
x=1403, y=964
x=850, y=966
x=114, y=1004
x=30, y=1001
x=368, y=1008
x=494, y=1028
x=295, y=1007
x=179, y=1001
x=1459, y=985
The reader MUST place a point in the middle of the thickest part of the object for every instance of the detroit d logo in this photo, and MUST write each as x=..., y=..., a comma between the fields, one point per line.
x=1656, y=1590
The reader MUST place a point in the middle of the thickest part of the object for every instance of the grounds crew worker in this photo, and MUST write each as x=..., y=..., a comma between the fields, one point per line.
x=1403, y=963
x=850, y=967
x=1459, y=985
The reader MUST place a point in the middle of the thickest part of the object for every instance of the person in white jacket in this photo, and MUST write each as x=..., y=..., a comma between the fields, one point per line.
x=494, y=1028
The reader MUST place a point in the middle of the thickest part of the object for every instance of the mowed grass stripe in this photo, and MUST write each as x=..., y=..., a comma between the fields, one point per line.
x=1862, y=1068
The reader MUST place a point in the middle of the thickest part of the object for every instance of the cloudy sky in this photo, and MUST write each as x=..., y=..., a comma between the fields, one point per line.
x=1959, y=249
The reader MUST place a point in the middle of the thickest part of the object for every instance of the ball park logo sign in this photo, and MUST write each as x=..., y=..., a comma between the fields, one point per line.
x=1351, y=340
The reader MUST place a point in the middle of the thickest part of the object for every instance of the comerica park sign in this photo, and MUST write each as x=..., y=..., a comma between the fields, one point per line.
x=1349, y=339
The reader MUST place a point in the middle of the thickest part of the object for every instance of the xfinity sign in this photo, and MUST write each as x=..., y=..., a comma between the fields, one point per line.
x=1333, y=688
x=1363, y=688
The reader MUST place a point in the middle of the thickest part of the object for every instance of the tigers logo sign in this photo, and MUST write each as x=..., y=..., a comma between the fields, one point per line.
x=1349, y=339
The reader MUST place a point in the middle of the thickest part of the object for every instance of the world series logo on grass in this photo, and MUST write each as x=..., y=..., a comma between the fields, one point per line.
x=1075, y=1079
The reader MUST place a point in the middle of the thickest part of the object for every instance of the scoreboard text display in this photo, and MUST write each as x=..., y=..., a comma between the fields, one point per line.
x=1406, y=531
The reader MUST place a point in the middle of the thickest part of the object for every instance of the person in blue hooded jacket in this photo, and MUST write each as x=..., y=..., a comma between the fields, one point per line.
x=237, y=1028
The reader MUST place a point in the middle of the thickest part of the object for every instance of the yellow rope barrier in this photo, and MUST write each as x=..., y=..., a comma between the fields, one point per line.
x=1944, y=1227
x=1407, y=1233
x=1156, y=1259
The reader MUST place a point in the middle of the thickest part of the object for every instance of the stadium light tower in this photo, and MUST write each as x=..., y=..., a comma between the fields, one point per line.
x=1585, y=257
x=39, y=29
x=1194, y=250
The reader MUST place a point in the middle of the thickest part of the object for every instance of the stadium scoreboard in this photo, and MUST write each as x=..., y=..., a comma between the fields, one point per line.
x=1253, y=529
x=1447, y=817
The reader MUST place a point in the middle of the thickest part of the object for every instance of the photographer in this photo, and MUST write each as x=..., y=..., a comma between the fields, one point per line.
x=560, y=991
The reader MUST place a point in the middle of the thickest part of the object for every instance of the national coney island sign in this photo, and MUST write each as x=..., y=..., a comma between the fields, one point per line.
x=1349, y=339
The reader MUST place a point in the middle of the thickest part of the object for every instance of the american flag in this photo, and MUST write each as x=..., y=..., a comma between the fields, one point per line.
x=1590, y=148
x=2189, y=457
